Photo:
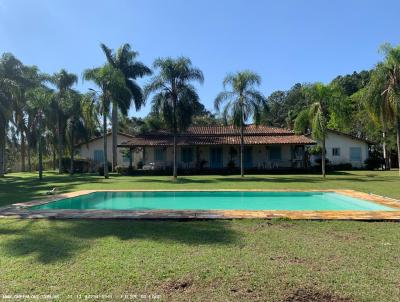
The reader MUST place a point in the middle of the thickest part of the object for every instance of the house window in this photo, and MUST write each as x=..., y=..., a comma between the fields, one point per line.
x=98, y=156
x=187, y=155
x=248, y=157
x=126, y=157
x=335, y=151
x=160, y=154
x=275, y=153
x=355, y=154
x=216, y=159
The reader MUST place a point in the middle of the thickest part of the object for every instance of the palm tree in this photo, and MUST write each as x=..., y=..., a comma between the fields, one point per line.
x=174, y=97
x=321, y=99
x=63, y=81
x=112, y=84
x=31, y=79
x=124, y=60
x=10, y=75
x=378, y=105
x=81, y=122
x=39, y=101
x=391, y=92
x=241, y=102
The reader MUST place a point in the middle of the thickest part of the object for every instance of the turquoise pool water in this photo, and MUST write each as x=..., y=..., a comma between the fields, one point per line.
x=214, y=201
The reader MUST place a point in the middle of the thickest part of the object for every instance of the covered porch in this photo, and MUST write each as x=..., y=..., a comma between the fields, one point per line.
x=223, y=157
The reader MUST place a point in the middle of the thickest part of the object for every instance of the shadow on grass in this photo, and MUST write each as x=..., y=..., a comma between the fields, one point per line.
x=19, y=189
x=58, y=241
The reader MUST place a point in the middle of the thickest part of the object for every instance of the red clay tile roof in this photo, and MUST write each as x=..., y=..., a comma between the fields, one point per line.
x=220, y=135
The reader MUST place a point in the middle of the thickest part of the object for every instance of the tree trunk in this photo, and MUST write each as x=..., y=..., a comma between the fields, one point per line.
x=105, y=162
x=40, y=153
x=54, y=157
x=323, y=159
x=23, y=152
x=2, y=147
x=241, y=150
x=175, y=173
x=241, y=140
x=60, y=146
x=114, y=135
x=28, y=153
x=398, y=144
x=384, y=151
x=175, y=169
x=71, y=168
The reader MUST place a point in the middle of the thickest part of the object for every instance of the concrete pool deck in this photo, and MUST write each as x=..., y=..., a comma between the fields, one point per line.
x=21, y=210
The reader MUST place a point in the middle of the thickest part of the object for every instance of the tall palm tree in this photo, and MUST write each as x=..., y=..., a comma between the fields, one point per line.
x=174, y=96
x=81, y=122
x=39, y=100
x=10, y=75
x=64, y=82
x=391, y=92
x=112, y=84
x=322, y=102
x=378, y=105
x=31, y=79
x=241, y=102
x=124, y=59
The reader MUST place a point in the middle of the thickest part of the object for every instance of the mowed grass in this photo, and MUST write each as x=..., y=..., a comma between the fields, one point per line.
x=245, y=260
x=237, y=260
x=19, y=187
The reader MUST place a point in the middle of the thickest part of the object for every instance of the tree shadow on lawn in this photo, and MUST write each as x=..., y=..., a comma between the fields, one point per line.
x=20, y=189
x=63, y=240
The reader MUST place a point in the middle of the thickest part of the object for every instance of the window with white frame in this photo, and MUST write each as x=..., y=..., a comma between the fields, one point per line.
x=335, y=151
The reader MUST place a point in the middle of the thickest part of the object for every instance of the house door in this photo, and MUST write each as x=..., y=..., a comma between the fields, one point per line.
x=216, y=158
x=248, y=157
x=98, y=156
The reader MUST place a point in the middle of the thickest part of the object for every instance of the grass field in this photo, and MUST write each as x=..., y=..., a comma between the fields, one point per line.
x=238, y=260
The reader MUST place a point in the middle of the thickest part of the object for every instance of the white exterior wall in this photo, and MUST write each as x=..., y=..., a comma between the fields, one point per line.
x=87, y=150
x=344, y=142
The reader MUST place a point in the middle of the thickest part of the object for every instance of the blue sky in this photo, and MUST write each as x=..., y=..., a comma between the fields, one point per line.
x=286, y=41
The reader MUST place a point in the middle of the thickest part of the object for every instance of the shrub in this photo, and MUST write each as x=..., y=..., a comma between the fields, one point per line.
x=100, y=169
x=374, y=161
x=318, y=161
x=231, y=165
x=122, y=170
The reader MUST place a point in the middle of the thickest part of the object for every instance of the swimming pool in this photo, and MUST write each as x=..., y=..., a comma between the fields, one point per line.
x=214, y=200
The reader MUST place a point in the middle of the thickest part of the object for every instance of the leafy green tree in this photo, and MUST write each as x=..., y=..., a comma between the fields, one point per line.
x=124, y=59
x=39, y=101
x=241, y=102
x=174, y=96
x=81, y=122
x=112, y=84
x=322, y=102
x=10, y=73
x=63, y=82
x=391, y=92
x=378, y=106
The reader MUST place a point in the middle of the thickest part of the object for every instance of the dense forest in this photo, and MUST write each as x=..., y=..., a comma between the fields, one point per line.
x=43, y=117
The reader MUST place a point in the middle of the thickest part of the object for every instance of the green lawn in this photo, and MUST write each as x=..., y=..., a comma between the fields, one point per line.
x=238, y=260
x=203, y=260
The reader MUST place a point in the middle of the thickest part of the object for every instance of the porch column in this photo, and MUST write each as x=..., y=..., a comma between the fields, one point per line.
x=130, y=159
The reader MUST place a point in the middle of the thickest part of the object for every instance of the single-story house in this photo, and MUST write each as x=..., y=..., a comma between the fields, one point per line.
x=94, y=150
x=218, y=147
x=343, y=148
